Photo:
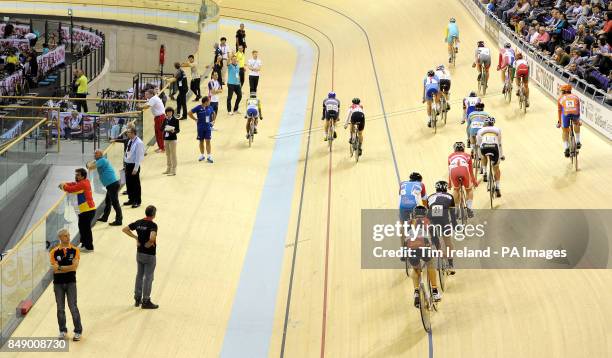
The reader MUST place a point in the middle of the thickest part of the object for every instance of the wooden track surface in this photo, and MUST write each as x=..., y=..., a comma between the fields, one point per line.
x=366, y=313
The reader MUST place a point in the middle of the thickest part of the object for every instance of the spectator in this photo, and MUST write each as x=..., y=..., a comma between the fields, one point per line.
x=214, y=90
x=134, y=156
x=532, y=35
x=146, y=247
x=241, y=38
x=233, y=86
x=542, y=39
x=205, y=121
x=116, y=129
x=561, y=57
x=72, y=124
x=64, y=262
x=45, y=48
x=240, y=57
x=81, y=91
x=181, y=100
x=109, y=179
x=225, y=54
x=218, y=68
x=194, y=85
x=504, y=6
x=217, y=52
x=11, y=60
x=8, y=31
x=607, y=25
x=157, y=109
x=254, y=66
x=491, y=6
x=170, y=127
x=81, y=187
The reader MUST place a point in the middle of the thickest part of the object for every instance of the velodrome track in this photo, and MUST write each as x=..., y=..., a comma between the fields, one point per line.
x=210, y=216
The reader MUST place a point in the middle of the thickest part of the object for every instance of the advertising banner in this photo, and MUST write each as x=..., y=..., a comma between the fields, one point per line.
x=51, y=60
x=22, y=44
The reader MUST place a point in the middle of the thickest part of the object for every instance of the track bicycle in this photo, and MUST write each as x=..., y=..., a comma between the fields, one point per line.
x=522, y=96
x=355, y=144
x=482, y=81
x=508, y=85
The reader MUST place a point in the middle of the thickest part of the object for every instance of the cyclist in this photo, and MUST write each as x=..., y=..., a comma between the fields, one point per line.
x=452, y=31
x=521, y=69
x=460, y=173
x=442, y=215
x=469, y=105
x=356, y=118
x=475, y=122
x=419, y=242
x=489, y=140
x=331, y=111
x=431, y=92
x=253, y=112
x=444, y=77
x=411, y=194
x=506, y=61
x=569, y=111
x=482, y=58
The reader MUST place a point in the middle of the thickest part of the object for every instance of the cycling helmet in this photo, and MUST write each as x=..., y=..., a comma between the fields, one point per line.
x=441, y=186
x=253, y=94
x=480, y=44
x=331, y=95
x=420, y=211
x=566, y=88
x=479, y=106
x=507, y=45
x=452, y=19
x=459, y=147
x=472, y=94
x=430, y=73
x=356, y=100
x=440, y=68
x=519, y=56
x=414, y=176
x=489, y=121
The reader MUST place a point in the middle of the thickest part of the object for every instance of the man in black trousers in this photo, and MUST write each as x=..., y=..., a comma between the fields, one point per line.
x=134, y=155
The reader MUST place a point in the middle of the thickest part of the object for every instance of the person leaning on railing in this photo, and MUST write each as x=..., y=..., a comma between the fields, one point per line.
x=81, y=187
x=109, y=179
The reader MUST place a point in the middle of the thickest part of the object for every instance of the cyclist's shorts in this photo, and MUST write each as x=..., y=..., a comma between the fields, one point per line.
x=445, y=85
x=449, y=39
x=252, y=113
x=492, y=148
x=358, y=118
x=417, y=256
x=430, y=93
x=565, y=120
x=485, y=60
x=460, y=173
x=331, y=115
x=523, y=71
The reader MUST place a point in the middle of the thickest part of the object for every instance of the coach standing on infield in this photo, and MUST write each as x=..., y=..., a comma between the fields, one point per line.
x=64, y=262
x=146, y=242
x=134, y=155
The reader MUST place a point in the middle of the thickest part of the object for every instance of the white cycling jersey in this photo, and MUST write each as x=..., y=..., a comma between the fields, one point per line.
x=483, y=51
x=490, y=135
x=352, y=109
x=443, y=75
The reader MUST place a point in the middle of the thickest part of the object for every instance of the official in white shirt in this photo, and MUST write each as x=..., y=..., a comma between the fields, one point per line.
x=134, y=155
x=254, y=65
x=158, y=111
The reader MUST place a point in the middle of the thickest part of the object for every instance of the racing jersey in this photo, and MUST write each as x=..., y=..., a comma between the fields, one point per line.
x=460, y=160
x=452, y=30
x=443, y=75
x=506, y=57
x=490, y=135
x=469, y=103
x=522, y=62
x=569, y=104
x=331, y=104
x=482, y=51
x=431, y=82
x=412, y=193
x=440, y=204
x=352, y=109
x=254, y=103
x=475, y=120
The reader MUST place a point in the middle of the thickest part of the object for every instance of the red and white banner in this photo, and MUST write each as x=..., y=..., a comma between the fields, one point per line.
x=8, y=84
x=82, y=36
x=51, y=60
x=22, y=44
x=17, y=29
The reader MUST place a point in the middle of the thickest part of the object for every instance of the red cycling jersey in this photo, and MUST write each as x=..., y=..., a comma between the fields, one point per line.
x=460, y=167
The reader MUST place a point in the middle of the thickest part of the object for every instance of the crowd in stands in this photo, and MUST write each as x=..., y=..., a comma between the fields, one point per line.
x=576, y=34
x=18, y=54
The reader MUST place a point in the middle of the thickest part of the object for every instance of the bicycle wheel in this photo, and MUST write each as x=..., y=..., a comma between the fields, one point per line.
x=442, y=270
x=423, y=307
x=483, y=79
x=352, y=145
x=407, y=264
x=434, y=120
x=477, y=163
x=573, y=147
x=357, y=146
x=330, y=135
x=491, y=183
x=462, y=207
x=251, y=133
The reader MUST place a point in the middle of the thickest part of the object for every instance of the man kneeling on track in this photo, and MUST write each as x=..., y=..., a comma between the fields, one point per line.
x=420, y=245
x=356, y=118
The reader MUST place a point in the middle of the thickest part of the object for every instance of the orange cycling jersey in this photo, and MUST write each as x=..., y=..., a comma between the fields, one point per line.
x=569, y=104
